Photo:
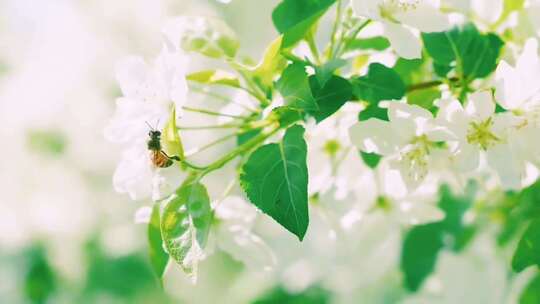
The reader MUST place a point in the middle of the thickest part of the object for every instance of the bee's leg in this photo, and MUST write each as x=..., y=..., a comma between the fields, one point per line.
x=174, y=157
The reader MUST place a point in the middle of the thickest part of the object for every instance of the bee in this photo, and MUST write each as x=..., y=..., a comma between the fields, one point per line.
x=158, y=157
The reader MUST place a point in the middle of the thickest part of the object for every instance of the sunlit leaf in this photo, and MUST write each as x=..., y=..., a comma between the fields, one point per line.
x=272, y=64
x=185, y=225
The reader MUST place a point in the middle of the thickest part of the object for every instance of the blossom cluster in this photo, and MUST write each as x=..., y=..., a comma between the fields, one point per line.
x=472, y=137
x=331, y=136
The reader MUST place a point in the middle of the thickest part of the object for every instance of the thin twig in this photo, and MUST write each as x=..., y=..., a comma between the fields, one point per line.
x=208, y=112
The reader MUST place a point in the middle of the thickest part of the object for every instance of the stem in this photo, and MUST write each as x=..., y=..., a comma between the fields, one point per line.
x=343, y=43
x=246, y=147
x=313, y=47
x=202, y=111
x=223, y=126
x=334, y=30
x=254, y=88
x=213, y=143
x=429, y=84
x=223, y=99
x=192, y=166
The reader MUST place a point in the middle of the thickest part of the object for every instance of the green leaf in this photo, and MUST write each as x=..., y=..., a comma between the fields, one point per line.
x=40, y=282
x=312, y=295
x=422, y=243
x=371, y=159
x=215, y=77
x=424, y=98
x=295, y=18
x=330, y=97
x=377, y=43
x=531, y=293
x=472, y=54
x=172, y=144
x=158, y=257
x=275, y=179
x=381, y=83
x=324, y=72
x=528, y=249
x=286, y=116
x=294, y=87
x=185, y=225
x=419, y=254
x=373, y=111
x=271, y=64
x=411, y=71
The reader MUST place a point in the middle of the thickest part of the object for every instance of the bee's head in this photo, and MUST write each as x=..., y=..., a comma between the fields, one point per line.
x=154, y=134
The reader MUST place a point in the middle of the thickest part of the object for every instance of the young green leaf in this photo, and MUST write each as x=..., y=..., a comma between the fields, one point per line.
x=330, y=97
x=271, y=64
x=215, y=77
x=275, y=179
x=294, y=87
x=171, y=138
x=472, y=54
x=528, y=249
x=185, y=225
x=380, y=83
x=158, y=257
x=295, y=18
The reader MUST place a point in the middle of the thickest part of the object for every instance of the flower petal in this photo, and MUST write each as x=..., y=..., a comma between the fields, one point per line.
x=374, y=136
x=480, y=105
x=467, y=158
x=488, y=10
x=131, y=72
x=507, y=165
x=404, y=42
x=425, y=17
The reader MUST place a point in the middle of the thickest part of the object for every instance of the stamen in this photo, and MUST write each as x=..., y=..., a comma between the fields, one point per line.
x=480, y=134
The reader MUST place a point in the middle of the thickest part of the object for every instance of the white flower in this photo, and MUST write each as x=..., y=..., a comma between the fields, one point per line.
x=518, y=91
x=477, y=130
x=149, y=93
x=383, y=190
x=486, y=11
x=517, y=88
x=235, y=218
x=409, y=139
x=400, y=17
x=333, y=163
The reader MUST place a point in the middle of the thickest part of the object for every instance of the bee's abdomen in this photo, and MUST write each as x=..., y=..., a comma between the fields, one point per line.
x=160, y=160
